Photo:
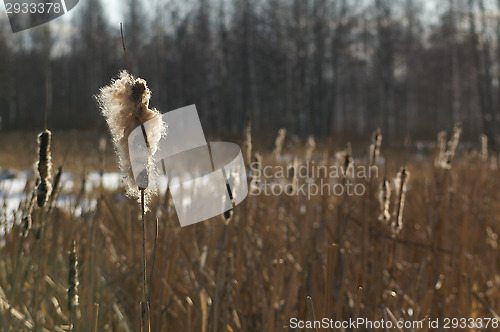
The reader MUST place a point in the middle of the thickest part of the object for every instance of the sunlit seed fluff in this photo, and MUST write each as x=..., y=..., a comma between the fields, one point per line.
x=73, y=281
x=384, y=201
x=125, y=105
x=397, y=223
x=44, y=166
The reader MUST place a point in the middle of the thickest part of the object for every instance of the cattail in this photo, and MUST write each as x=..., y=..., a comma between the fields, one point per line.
x=27, y=222
x=401, y=183
x=44, y=166
x=310, y=146
x=278, y=144
x=73, y=279
x=484, y=147
x=375, y=146
x=125, y=105
x=384, y=198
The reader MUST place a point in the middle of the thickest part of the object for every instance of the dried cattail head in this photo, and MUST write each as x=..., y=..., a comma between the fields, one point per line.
x=484, y=147
x=402, y=181
x=44, y=159
x=42, y=192
x=73, y=278
x=125, y=105
x=27, y=221
x=384, y=198
x=375, y=147
x=44, y=166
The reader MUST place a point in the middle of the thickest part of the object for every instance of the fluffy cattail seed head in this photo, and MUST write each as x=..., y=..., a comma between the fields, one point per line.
x=125, y=105
x=44, y=166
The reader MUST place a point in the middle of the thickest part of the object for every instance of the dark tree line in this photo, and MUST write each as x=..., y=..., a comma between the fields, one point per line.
x=318, y=67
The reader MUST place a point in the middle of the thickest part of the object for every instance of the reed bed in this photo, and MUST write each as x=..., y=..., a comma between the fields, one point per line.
x=277, y=257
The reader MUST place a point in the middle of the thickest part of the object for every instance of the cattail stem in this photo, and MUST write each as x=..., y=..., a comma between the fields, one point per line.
x=124, y=48
x=73, y=287
x=36, y=312
x=151, y=273
x=145, y=325
x=144, y=304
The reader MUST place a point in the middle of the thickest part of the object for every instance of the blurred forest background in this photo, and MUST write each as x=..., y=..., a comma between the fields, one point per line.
x=315, y=67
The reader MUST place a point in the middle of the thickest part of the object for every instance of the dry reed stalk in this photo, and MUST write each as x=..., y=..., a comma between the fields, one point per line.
x=145, y=317
x=151, y=273
x=73, y=287
x=248, y=141
x=310, y=146
x=357, y=308
x=189, y=317
x=55, y=189
x=441, y=149
x=204, y=310
x=346, y=255
x=145, y=322
x=278, y=144
x=95, y=317
x=330, y=278
x=484, y=147
x=401, y=183
x=375, y=147
x=311, y=306
x=384, y=199
x=44, y=166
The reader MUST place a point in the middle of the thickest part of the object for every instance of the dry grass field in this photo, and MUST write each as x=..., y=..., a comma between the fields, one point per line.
x=276, y=258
